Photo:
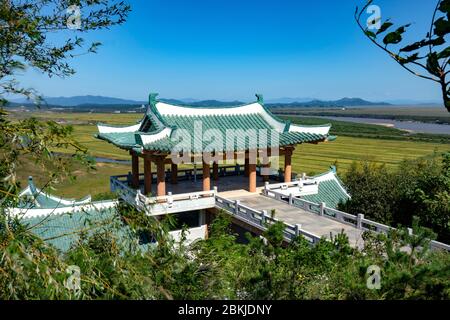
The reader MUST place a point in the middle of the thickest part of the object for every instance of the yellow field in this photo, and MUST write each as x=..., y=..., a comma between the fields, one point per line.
x=312, y=158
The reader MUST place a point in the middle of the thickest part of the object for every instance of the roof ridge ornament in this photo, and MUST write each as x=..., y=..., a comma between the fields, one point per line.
x=260, y=98
x=33, y=188
x=152, y=98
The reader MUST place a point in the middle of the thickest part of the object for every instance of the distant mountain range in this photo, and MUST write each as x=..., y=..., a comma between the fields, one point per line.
x=344, y=102
x=107, y=104
x=81, y=100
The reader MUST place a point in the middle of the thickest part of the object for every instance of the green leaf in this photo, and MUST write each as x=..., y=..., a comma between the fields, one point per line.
x=432, y=64
x=396, y=36
x=408, y=59
x=370, y=34
x=444, y=53
x=444, y=7
x=392, y=37
x=384, y=27
x=414, y=46
x=437, y=42
x=441, y=27
x=420, y=44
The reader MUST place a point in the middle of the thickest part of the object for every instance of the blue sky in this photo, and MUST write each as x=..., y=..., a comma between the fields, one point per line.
x=230, y=49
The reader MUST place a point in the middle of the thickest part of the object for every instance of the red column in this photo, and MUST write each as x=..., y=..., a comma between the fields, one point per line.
x=252, y=178
x=287, y=164
x=251, y=172
x=135, y=170
x=161, y=177
x=206, y=177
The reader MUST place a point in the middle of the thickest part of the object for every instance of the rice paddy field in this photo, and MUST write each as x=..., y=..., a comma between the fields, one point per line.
x=308, y=158
x=344, y=150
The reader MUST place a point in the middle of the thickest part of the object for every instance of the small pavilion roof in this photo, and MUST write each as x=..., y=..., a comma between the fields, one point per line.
x=59, y=221
x=164, y=125
x=331, y=189
x=34, y=198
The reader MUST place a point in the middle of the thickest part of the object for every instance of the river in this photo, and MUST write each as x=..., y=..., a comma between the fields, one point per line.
x=412, y=126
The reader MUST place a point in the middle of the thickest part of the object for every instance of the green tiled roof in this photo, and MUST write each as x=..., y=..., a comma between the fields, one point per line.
x=66, y=220
x=331, y=191
x=181, y=121
x=32, y=197
x=64, y=230
x=124, y=140
x=240, y=143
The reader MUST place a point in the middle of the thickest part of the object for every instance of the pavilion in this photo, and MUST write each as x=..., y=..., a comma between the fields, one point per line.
x=258, y=134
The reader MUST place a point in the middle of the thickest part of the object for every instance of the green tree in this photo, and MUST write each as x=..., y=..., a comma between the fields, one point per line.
x=373, y=190
x=427, y=58
x=418, y=188
x=36, y=34
x=425, y=194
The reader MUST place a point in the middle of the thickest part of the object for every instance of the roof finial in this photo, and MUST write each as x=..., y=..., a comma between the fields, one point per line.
x=152, y=98
x=31, y=185
x=260, y=98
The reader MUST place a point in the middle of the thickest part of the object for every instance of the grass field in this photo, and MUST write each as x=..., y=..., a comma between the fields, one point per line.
x=309, y=158
x=312, y=158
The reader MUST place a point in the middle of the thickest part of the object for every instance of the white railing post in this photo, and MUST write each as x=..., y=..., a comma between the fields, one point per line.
x=236, y=207
x=322, y=208
x=169, y=198
x=291, y=201
x=359, y=219
x=263, y=216
x=298, y=227
x=266, y=188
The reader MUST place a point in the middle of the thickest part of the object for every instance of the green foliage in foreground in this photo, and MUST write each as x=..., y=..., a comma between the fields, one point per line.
x=220, y=268
x=418, y=188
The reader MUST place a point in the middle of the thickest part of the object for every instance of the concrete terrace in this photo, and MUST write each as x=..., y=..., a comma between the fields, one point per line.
x=310, y=222
x=235, y=188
